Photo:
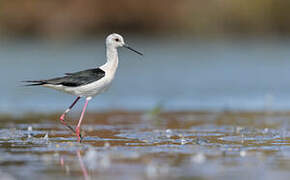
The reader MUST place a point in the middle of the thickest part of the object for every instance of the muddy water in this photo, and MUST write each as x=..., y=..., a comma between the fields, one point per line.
x=152, y=145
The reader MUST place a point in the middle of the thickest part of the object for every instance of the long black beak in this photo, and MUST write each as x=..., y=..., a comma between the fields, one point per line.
x=128, y=47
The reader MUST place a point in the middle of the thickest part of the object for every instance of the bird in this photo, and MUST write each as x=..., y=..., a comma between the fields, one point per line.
x=87, y=83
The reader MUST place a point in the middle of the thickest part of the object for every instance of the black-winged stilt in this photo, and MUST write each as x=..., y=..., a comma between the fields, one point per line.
x=90, y=82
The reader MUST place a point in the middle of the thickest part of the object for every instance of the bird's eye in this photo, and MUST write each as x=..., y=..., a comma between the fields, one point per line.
x=117, y=40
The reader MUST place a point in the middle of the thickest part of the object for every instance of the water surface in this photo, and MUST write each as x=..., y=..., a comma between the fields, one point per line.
x=152, y=145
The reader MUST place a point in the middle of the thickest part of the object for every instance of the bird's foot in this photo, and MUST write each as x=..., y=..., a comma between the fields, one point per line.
x=80, y=138
x=62, y=120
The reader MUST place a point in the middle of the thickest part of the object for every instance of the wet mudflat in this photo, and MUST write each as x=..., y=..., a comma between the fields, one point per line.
x=152, y=145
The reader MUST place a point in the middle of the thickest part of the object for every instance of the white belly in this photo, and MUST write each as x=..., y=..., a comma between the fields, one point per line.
x=88, y=90
x=95, y=88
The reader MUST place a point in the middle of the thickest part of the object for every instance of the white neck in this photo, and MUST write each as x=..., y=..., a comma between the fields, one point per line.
x=112, y=59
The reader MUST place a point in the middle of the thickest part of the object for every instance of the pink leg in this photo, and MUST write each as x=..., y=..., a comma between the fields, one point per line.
x=62, y=117
x=81, y=118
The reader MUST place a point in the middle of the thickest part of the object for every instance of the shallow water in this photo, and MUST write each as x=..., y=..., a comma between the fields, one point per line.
x=151, y=145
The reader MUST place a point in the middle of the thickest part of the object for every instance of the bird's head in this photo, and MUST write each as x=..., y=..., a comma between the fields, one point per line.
x=116, y=40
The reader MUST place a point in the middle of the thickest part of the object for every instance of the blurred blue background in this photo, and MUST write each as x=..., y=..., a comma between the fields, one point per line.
x=229, y=56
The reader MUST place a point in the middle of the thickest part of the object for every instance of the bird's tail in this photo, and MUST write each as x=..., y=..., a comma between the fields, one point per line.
x=34, y=83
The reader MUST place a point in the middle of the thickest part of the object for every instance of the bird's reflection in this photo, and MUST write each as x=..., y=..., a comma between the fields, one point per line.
x=81, y=164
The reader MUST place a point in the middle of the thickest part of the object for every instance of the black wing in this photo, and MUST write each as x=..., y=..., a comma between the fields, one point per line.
x=73, y=79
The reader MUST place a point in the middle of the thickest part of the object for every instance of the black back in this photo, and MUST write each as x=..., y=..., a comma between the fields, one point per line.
x=74, y=79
